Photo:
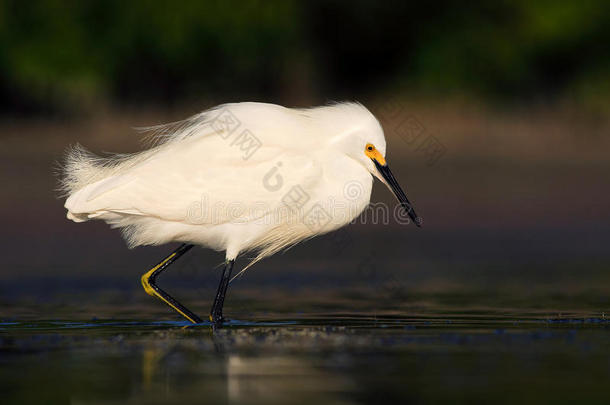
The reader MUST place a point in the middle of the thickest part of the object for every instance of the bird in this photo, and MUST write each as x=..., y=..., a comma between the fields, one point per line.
x=239, y=178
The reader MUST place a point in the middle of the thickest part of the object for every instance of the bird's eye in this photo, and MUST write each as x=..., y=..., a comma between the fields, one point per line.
x=370, y=147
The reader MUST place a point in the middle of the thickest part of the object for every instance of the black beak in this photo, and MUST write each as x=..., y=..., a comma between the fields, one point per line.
x=385, y=171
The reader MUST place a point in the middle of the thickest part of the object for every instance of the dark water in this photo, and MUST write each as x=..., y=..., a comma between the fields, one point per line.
x=479, y=317
x=339, y=357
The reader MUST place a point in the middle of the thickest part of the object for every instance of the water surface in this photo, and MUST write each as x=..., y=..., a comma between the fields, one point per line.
x=334, y=357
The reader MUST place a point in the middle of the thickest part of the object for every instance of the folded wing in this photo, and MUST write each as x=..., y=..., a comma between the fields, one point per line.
x=205, y=180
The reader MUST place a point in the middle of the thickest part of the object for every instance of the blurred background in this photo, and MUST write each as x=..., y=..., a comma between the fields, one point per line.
x=496, y=115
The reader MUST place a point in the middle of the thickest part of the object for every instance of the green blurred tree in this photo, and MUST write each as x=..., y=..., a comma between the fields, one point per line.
x=61, y=53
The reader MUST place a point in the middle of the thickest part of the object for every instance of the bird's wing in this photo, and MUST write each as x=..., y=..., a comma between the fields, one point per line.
x=202, y=181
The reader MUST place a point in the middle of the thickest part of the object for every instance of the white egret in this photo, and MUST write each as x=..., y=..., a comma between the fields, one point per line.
x=237, y=178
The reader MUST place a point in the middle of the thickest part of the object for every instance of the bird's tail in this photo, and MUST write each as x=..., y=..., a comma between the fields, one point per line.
x=79, y=169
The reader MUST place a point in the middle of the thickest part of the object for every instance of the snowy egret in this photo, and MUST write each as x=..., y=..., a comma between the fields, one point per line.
x=236, y=178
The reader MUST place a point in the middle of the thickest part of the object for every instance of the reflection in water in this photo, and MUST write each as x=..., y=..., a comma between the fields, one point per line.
x=337, y=360
x=150, y=360
x=237, y=377
x=276, y=377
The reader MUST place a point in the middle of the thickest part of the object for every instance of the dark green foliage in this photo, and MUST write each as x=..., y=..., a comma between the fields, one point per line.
x=57, y=53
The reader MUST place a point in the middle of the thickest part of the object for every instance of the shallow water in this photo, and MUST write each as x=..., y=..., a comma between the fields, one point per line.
x=467, y=318
x=331, y=358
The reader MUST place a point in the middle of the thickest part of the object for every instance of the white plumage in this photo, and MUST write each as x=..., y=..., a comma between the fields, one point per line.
x=201, y=184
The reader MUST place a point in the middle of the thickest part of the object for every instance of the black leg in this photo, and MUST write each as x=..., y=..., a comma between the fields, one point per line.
x=148, y=282
x=216, y=313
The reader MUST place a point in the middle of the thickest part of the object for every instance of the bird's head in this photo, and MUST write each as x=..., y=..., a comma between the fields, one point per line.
x=359, y=135
x=368, y=146
x=382, y=171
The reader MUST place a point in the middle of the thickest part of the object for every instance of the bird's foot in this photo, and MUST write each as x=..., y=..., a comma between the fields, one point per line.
x=217, y=319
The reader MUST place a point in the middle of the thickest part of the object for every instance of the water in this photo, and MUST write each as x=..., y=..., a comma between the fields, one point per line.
x=370, y=314
x=498, y=317
x=483, y=317
x=339, y=357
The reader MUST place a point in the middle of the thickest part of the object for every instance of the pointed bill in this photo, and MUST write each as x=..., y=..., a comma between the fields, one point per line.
x=392, y=183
